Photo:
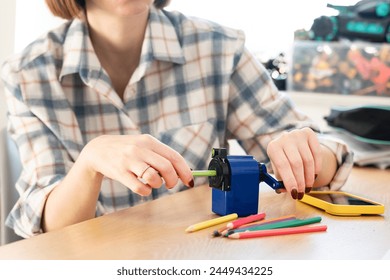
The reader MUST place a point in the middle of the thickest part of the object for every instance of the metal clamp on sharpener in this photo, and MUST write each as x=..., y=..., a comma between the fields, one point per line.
x=235, y=181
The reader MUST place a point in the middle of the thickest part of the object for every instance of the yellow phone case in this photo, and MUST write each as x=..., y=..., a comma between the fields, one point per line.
x=342, y=209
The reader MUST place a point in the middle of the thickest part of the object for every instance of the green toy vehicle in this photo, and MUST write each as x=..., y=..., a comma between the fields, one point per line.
x=367, y=20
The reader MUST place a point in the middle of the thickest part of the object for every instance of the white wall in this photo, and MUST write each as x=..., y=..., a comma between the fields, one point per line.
x=268, y=24
x=33, y=18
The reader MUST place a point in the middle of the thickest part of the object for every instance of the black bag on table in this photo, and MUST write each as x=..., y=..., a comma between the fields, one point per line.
x=369, y=123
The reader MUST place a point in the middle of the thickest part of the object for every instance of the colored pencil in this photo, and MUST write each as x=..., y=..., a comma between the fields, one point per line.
x=245, y=220
x=242, y=222
x=212, y=222
x=269, y=221
x=265, y=222
x=204, y=173
x=282, y=224
x=279, y=231
x=219, y=232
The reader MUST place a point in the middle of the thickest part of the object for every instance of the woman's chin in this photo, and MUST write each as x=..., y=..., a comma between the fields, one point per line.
x=133, y=9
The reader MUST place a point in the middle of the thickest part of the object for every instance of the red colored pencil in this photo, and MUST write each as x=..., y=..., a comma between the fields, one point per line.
x=246, y=220
x=275, y=232
x=269, y=221
x=224, y=232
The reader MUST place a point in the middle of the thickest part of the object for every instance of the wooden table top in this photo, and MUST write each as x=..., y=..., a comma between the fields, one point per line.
x=156, y=230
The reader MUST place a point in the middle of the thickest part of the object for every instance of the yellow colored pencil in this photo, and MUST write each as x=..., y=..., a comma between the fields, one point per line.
x=212, y=222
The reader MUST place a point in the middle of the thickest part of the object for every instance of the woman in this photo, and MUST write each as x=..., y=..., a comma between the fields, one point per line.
x=126, y=97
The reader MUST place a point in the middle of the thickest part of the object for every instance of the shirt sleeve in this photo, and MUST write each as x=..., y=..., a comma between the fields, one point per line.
x=344, y=156
x=258, y=113
x=43, y=157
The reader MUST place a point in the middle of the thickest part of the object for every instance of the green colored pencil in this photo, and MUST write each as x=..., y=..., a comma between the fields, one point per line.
x=204, y=173
x=282, y=224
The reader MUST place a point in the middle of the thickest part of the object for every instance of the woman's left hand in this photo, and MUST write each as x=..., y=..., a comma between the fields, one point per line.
x=296, y=159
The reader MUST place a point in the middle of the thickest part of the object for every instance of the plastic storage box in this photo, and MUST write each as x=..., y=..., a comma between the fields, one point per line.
x=356, y=68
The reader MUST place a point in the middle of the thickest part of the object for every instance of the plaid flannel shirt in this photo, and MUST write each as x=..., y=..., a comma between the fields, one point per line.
x=195, y=88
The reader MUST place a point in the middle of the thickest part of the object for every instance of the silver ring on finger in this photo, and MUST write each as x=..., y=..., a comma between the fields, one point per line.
x=143, y=172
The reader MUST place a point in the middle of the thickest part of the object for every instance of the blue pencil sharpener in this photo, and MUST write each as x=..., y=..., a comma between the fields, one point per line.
x=235, y=188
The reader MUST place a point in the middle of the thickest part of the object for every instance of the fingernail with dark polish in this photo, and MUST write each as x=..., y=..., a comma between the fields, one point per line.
x=300, y=195
x=281, y=190
x=307, y=189
x=191, y=183
x=294, y=193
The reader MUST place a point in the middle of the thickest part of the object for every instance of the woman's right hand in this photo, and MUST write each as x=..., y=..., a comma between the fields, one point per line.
x=140, y=162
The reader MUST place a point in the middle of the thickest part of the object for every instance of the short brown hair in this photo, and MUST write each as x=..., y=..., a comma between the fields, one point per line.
x=69, y=9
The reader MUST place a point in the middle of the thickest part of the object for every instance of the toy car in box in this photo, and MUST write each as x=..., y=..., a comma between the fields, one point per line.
x=351, y=68
x=367, y=20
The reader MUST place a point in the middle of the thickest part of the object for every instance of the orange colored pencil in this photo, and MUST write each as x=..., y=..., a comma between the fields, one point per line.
x=245, y=220
x=219, y=232
x=279, y=231
x=264, y=222
x=269, y=221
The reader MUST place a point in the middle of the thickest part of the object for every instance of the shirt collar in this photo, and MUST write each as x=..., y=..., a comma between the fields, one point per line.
x=164, y=38
x=79, y=55
x=161, y=43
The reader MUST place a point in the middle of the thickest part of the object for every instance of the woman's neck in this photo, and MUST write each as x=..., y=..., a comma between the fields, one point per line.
x=118, y=34
x=118, y=42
